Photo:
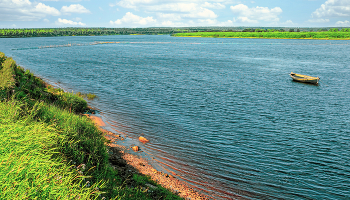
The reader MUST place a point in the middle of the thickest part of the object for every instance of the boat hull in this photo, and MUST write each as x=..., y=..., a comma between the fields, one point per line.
x=304, y=78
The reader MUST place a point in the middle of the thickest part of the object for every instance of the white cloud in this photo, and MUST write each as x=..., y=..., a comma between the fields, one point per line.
x=333, y=8
x=78, y=19
x=209, y=22
x=213, y=5
x=42, y=8
x=68, y=22
x=318, y=20
x=74, y=8
x=25, y=10
x=198, y=22
x=131, y=20
x=173, y=7
x=342, y=23
x=255, y=15
x=175, y=13
x=169, y=23
x=245, y=20
x=227, y=23
x=201, y=13
x=172, y=13
x=138, y=4
x=169, y=16
x=46, y=20
x=183, y=10
x=21, y=2
x=288, y=23
x=133, y=4
x=63, y=0
x=169, y=5
x=214, y=22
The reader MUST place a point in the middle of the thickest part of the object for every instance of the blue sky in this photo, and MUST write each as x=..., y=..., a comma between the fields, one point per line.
x=173, y=13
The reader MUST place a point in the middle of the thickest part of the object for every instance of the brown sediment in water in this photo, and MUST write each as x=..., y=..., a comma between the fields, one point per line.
x=128, y=164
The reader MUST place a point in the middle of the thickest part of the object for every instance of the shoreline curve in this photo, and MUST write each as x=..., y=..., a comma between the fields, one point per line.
x=143, y=166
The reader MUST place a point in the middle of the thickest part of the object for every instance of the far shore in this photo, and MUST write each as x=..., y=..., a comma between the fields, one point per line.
x=268, y=38
x=332, y=34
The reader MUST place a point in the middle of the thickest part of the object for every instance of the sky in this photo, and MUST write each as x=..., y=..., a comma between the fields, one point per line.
x=173, y=13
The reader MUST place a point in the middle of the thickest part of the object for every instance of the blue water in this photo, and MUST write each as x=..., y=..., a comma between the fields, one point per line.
x=223, y=114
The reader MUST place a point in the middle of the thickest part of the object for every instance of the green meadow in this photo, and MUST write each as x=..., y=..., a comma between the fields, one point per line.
x=333, y=34
x=48, y=150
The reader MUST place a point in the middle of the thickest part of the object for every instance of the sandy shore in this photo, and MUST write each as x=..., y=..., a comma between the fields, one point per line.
x=127, y=164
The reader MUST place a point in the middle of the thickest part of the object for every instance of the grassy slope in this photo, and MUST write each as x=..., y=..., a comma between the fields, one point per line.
x=31, y=165
x=280, y=35
x=49, y=151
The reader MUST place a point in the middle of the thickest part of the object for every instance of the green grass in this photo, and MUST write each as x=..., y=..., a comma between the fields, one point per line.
x=276, y=34
x=32, y=165
x=49, y=151
x=6, y=74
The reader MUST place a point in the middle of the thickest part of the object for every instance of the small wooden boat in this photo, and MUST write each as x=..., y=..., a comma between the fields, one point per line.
x=304, y=78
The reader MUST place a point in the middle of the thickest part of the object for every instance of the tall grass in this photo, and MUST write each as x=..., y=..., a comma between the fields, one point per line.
x=32, y=165
x=25, y=86
x=2, y=59
x=49, y=151
x=7, y=80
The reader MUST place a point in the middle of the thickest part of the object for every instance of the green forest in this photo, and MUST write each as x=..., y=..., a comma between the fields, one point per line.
x=333, y=33
x=52, y=32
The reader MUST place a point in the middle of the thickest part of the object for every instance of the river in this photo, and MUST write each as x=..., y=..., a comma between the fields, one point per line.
x=221, y=114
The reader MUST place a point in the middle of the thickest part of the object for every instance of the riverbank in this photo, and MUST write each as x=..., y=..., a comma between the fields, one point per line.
x=339, y=35
x=49, y=150
x=124, y=162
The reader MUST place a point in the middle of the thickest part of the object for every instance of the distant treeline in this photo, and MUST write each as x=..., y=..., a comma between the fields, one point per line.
x=52, y=32
x=333, y=33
